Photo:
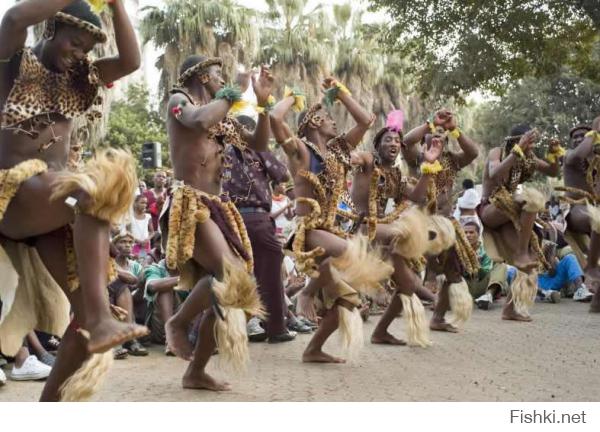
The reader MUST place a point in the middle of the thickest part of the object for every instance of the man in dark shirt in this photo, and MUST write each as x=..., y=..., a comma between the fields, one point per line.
x=247, y=185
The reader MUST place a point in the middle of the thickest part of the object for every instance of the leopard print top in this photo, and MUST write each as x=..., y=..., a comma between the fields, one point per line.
x=390, y=184
x=521, y=172
x=39, y=92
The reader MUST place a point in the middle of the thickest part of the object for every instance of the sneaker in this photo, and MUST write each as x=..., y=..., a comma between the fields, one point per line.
x=298, y=326
x=32, y=370
x=2, y=378
x=255, y=331
x=551, y=296
x=284, y=337
x=583, y=294
x=483, y=302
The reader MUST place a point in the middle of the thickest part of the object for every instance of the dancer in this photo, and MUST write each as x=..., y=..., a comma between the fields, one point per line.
x=319, y=160
x=450, y=253
x=581, y=165
x=42, y=89
x=404, y=232
x=508, y=215
x=207, y=239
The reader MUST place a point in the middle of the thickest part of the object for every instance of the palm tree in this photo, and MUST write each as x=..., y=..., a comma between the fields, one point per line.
x=209, y=27
x=299, y=44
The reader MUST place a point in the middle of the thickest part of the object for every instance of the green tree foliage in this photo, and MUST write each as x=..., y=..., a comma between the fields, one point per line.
x=216, y=28
x=553, y=105
x=458, y=46
x=133, y=123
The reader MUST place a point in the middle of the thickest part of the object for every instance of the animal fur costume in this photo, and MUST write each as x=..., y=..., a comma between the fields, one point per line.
x=236, y=294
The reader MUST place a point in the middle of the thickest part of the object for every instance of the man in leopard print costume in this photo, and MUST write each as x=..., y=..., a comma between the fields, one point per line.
x=453, y=257
x=582, y=180
x=403, y=232
x=42, y=89
x=508, y=214
x=319, y=161
x=206, y=237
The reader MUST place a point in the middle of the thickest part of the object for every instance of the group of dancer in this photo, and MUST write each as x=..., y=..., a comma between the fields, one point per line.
x=55, y=218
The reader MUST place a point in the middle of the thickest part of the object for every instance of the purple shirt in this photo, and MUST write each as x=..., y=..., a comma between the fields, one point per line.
x=247, y=181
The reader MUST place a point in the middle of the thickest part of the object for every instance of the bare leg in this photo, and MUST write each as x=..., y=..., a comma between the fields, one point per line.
x=595, y=305
x=405, y=281
x=32, y=214
x=494, y=219
x=380, y=334
x=442, y=305
x=125, y=301
x=210, y=251
x=195, y=376
x=72, y=351
x=523, y=259
x=314, y=351
x=176, y=329
x=35, y=345
x=165, y=305
x=21, y=356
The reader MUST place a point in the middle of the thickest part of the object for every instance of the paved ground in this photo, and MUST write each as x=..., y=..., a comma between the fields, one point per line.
x=555, y=358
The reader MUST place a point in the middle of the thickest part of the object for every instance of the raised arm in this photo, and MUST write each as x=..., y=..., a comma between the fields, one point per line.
x=197, y=117
x=13, y=29
x=584, y=149
x=281, y=131
x=498, y=168
x=469, y=149
x=551, y=166
x=418, y=193
x=263, y=86
x=128, y=58
x=364, y=120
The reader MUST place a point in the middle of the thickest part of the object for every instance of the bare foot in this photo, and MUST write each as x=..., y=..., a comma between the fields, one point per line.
x=204, y=381
x=320, y=357
x=177, y=340
x=442, y=326
x=109, y=333
x=386, y=339
x=511, y=315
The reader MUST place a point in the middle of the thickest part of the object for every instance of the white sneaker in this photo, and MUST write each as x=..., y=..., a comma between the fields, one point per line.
x=484, y=301
x=32, y=370
x=2, y=378
x=255, y=331
x=583, y=294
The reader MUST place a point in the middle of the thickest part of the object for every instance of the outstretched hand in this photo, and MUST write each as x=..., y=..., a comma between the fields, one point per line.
x=263, y=85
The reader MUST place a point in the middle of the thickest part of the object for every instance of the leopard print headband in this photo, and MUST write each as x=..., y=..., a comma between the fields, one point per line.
x=71, y=20
x=311, y=116
x=200, y=67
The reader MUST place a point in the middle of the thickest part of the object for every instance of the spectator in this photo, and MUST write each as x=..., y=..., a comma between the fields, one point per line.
x=162, y=300
x=282, y=212
x=27, y=367
x=493, y=279
x=120, y=290
x=156, y=197
x=565, y=275
x=466, y=206
x=141, y=227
